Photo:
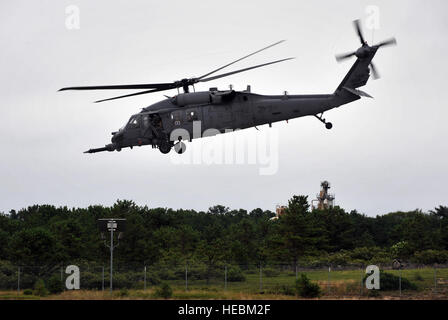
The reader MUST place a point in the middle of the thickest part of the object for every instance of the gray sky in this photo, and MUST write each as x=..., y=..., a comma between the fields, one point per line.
x=384, y=154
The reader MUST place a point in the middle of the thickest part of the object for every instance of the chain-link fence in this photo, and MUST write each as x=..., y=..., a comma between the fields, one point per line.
x=269, y=279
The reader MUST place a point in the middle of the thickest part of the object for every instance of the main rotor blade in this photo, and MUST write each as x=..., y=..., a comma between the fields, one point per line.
x=357, y=25
x=126, y=86
x=340, y=57
x=242, y=70
x=249, y=55
x=132, y=94
x=389, y=42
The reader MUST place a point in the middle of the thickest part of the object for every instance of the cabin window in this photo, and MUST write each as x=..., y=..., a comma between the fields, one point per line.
x=191, y=115
x=176, y=117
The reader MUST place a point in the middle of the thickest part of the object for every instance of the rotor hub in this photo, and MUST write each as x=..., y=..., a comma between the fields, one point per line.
x=363, y=52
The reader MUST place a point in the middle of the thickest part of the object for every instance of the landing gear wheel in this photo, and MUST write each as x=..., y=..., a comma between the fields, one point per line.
x=328, y=125
x=180, y=147
x=164, y=147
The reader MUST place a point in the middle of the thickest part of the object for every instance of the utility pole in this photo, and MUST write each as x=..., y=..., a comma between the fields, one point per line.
x=18, y=280
x=111, y=256
x=112, y=225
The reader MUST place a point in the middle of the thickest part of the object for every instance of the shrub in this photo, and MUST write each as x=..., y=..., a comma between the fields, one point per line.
x=418, y=277
x=196, y=271
x=28, y=292
x=305, y=288
x=8, y=275
x=39, y=288
x=286, y=290
x=340, y=258
x=123, y=293
x=91, y=280
x=401, y=250
x=164, y=291
x=166, y=274
x=234, y=274
x=55, y=285
x=27, y=280
x=363, y=254
x=373, y=293
x=251, y=270
x=390, y=282
x=123, y=280
x=268, y=272
x=429, y=257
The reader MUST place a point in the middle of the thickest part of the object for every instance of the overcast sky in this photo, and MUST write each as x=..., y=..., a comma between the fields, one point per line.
x=383, y=154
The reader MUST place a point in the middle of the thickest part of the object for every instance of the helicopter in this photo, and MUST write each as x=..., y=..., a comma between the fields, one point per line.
x=189, y=115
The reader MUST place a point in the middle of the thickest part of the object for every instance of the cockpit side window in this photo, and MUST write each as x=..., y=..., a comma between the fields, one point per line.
x=145, y=121
x=134, y=122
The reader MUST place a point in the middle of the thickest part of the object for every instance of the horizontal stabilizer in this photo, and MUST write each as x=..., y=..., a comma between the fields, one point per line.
x=358, y=92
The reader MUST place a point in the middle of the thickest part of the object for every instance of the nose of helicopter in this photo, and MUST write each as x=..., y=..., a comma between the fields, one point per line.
x=116, y=137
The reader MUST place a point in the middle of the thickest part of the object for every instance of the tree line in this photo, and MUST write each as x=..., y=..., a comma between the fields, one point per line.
x=43, y=235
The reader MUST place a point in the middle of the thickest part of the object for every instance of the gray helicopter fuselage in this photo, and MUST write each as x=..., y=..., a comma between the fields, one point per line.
x=222, y=111
x=177, y=118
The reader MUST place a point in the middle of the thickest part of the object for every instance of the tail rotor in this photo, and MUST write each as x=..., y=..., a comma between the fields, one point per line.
x=365, y=50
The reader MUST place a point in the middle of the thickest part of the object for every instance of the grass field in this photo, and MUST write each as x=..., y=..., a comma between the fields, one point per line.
x=334, y=285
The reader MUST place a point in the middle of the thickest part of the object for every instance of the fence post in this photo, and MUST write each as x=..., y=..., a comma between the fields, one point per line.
x=399, y=283
x=225, y=277
x=186, y=277
x=435, y=280
x=328, y=282
x=102, y=281
x=362, y=282
x=18, y=280
x=297, y=272
x=144, y=281
x=261, y=278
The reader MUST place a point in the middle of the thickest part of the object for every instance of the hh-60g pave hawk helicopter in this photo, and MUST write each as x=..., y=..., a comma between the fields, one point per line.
x=230, y=110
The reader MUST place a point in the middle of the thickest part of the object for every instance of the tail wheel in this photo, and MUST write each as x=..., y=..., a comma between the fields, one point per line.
x=180, y=147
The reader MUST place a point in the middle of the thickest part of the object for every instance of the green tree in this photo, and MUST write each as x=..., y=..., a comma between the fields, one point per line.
x=300, y=231
x=306, y=289
x=35, y=247
x=69, y=234
x=213, y=249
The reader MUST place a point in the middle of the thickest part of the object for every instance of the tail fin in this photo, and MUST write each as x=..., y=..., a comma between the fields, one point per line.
x=358, y=75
